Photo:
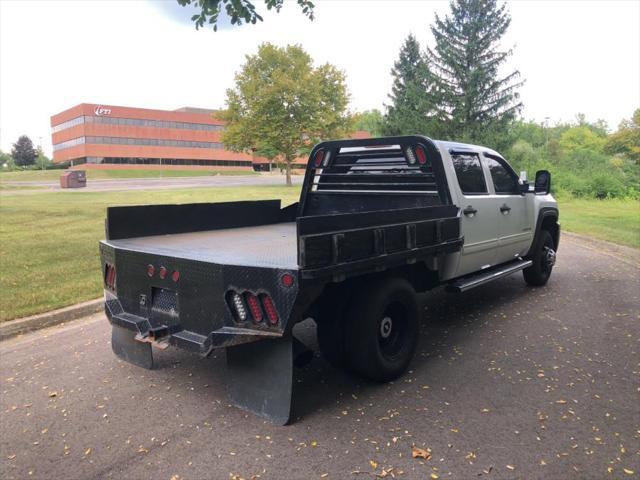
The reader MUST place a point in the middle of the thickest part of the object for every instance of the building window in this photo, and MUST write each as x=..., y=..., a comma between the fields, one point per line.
x=135, y=122
x=150, y=141
x=69, y=143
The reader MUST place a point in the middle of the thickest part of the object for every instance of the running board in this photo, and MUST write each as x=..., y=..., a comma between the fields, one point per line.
x=471, y=281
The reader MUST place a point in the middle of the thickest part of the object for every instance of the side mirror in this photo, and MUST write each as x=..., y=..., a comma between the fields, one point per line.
x=543, y=182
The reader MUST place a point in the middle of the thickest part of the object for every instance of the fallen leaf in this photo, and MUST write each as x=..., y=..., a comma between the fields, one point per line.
x=417, y=452
x=87, y=452
x=314, y=444
x=628, y=471
x=53, y=394
x=561, y=402
x=511, y=467
x=373, y=464
x=485, y=410
x=434, y=476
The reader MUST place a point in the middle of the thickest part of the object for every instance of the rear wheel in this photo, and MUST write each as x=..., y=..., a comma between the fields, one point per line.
x=382, y=329
x=543, y=258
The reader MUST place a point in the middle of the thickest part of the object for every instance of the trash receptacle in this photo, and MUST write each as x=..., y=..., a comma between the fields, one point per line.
x=73, y=179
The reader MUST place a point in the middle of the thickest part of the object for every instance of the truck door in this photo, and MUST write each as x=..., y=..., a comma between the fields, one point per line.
x=514, y=227
x=479, y=220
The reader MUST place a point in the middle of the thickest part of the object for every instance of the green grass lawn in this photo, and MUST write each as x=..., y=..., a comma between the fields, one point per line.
x=49, y=241
x=617, y=221
x=44, y=175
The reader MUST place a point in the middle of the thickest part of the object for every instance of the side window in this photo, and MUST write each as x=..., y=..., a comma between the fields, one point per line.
x=469, y=173
x=504, y=182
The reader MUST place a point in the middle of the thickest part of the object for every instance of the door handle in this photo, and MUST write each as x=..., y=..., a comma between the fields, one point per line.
x=505, y=208
x=470, y=211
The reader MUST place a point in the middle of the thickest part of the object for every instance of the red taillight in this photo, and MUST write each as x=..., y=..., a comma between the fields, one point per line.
x=162, y=273
x=151, y=270
x=421, y=154
x=317, y=158
x=110, y=276
x=254, y=306
x=270, y=309
x=175, y=276
x=287, y=280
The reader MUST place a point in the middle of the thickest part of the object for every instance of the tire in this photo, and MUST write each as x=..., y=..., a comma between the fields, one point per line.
x=330, y=329
x=382, y=329
x=543, y=257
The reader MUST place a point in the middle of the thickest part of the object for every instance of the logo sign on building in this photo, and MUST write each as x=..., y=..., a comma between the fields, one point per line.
x=100, y=111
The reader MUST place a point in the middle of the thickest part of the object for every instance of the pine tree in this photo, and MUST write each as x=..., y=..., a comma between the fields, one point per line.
x=475, y=99
x=23, y=152
x=410, y=111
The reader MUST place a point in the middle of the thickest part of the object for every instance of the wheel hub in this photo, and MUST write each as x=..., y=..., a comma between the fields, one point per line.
x=385, y=327
x=549, y=257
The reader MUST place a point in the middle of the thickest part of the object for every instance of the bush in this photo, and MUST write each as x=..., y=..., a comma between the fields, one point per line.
x=604, y=185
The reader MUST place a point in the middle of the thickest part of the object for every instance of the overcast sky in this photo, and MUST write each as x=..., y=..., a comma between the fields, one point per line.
x=576, y=56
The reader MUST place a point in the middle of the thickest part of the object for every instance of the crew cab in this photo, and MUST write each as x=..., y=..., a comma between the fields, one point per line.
x=378, y=220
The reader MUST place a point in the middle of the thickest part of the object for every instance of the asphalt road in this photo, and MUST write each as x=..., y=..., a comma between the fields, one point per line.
x=158, y=183
x=509, y=382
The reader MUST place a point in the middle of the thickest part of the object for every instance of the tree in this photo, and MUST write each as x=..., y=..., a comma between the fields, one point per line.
x=23, y=152
x=370, y=121
x=472, y=95
x=582, y=137
x=282, y=105
x=239, y=11
x=410, y=111
x=626, y=140
x=6, y=161
x=42, y=161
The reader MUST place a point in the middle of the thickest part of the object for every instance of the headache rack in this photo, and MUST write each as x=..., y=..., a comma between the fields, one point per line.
x=347, y=176
x=373, y=169
x=373, y=204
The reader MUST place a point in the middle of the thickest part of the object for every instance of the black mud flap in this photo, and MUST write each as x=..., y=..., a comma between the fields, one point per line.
x=262, y=377
x=125, y=346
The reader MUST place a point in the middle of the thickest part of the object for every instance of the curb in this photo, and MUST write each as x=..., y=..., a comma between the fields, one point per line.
x=35, y=322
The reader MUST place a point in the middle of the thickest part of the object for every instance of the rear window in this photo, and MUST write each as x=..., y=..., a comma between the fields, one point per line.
x=469, y=172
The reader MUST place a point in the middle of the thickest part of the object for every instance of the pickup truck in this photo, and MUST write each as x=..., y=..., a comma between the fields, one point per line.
x=378, y=220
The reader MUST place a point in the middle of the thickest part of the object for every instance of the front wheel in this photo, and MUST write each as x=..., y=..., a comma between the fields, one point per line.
x=543, y=257
x=382, y=329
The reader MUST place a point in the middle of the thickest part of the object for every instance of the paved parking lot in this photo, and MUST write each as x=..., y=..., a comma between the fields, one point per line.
x=509, y=382
x=163, y=183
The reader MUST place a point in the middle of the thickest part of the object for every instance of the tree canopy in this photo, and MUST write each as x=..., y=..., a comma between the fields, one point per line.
x=626, y=141
x=470, y=91
x=410, y=110
x=239, y=11
x=370, y=121
x=281, y=105
x=23, y=152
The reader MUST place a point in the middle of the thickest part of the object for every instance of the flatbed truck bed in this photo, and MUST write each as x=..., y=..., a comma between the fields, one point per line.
x=272, y=246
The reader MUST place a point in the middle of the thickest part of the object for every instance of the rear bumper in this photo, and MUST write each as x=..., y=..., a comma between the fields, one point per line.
x=144, y=331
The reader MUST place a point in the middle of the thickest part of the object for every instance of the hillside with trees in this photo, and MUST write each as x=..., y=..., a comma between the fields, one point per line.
x=457, y=89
